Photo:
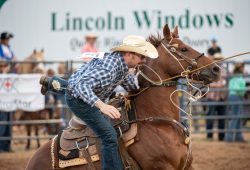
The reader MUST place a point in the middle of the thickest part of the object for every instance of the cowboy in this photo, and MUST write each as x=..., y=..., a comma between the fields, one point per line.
x=95, y=81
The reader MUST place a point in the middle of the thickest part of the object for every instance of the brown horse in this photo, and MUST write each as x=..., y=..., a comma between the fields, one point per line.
x=159, y=144
x=31, y=65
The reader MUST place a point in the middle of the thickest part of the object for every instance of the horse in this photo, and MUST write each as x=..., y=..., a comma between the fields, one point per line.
x=159, y=144
x=31, y=65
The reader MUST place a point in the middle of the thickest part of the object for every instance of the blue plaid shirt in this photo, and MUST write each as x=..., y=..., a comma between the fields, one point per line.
x=97, y=79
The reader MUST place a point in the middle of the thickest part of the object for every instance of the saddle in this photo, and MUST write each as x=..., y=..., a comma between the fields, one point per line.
x=78, y=145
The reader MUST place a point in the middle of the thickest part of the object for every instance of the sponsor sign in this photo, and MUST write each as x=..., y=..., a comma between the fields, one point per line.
x=59, y=26
x=20, y=92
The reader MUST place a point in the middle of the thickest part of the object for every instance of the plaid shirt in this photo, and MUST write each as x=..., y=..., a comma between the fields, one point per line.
x=97, y=79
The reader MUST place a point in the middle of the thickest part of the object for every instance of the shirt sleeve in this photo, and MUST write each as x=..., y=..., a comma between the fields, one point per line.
x=98, y=79
x=129, y=83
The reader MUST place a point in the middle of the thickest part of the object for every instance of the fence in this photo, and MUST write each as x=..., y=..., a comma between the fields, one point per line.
x=199, y=116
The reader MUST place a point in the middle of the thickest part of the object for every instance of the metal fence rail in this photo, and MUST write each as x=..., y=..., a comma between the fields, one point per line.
x=197, y=117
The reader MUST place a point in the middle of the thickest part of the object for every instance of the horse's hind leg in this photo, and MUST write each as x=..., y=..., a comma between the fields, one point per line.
x=37, y=139
x=28, y=129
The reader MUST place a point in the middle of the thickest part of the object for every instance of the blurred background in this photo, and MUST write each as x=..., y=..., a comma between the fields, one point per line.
x=46, y=37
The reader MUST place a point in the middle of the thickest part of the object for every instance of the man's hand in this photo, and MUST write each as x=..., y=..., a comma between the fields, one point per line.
x=109, y=110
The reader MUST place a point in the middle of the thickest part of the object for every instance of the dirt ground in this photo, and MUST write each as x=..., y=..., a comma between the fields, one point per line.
x=208, y=155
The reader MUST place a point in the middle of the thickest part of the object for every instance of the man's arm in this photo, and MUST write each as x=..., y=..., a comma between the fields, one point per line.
x=129, y=83
x=109, y=110
x=98, y=79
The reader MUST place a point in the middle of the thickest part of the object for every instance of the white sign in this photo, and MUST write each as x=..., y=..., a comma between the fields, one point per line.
x=20, y=92
x=59, y=26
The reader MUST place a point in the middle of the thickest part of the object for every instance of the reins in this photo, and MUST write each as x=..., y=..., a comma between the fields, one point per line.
x=185, y=73
x=214, y=62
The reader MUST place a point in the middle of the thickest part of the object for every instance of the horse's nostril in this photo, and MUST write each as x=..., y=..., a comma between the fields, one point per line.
x=216, y=69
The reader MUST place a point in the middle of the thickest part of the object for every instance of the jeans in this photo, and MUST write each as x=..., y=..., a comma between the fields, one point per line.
x=235, y=123
x=220, y=109
x=59, y=95
x=5, y=131
x=63, y=83
x=92, y=116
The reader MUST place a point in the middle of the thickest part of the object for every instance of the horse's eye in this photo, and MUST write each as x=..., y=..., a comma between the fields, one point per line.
x=184, y=49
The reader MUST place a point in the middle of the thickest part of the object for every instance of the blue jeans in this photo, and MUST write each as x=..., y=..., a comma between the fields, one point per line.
x=235, y=123
x=59, y=95
x=63, y=83
x=92, y=116
x=5, y=131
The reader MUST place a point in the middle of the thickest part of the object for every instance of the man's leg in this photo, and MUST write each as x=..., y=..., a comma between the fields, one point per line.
x=238, y=126
x=92, y=116
x=4, y=131
x=230, y=135
x=221, y=122
x=210, y=122
x=49, y=85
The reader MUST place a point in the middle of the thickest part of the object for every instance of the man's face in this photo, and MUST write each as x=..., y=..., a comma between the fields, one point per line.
x=214, y=43
x=91, y=40
x=135, y=59
x=5, y=41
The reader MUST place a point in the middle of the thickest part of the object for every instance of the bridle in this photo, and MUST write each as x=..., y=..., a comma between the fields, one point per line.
x=171, y=49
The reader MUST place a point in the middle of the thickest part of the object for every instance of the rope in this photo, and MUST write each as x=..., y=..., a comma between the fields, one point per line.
x=148, y=79
x=185, y=73
x=180, y=75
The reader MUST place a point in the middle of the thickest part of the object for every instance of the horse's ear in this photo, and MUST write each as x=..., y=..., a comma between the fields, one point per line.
x=166, y=32
x=34, y=51
x=175, y=33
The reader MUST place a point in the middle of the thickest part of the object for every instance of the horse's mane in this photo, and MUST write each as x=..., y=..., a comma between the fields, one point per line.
x=155, y=39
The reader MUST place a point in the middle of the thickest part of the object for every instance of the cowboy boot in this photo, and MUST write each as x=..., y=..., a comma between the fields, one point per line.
x=44, y=80
x=44, y=90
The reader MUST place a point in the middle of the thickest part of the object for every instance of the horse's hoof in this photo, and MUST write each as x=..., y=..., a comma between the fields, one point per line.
x=44, y=90
x=44, y=80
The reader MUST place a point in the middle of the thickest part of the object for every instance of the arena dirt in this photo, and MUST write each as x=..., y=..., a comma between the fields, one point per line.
x=207, y=156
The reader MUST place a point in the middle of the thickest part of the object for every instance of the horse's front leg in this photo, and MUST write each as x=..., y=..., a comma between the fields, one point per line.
x=28, y=130
x=36, y=133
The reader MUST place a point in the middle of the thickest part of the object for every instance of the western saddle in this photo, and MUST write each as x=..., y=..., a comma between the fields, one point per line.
x=78, y=145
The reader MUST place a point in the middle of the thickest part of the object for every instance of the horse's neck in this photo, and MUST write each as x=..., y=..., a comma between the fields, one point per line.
x=156, y=102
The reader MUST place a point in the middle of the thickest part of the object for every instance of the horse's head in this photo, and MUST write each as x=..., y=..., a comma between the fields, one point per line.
x=37, y=55
x=33, y=63
x=177, y=58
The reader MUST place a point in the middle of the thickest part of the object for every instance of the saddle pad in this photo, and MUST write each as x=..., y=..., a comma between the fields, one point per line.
x=77, y=161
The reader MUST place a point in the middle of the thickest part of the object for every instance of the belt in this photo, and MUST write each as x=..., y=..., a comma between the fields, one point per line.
x=70, y=92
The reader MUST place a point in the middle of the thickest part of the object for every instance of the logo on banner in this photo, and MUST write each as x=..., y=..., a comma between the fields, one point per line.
x=8, y=85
